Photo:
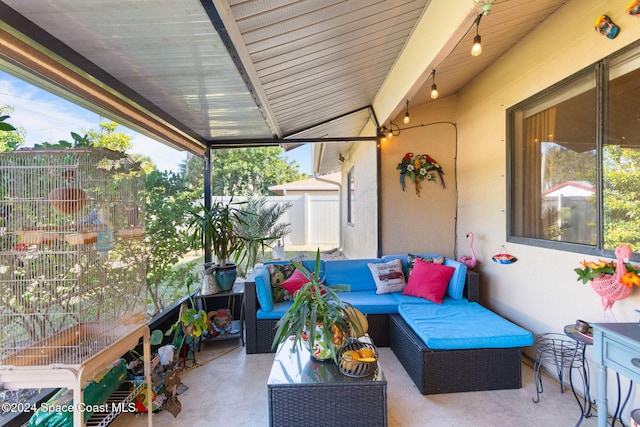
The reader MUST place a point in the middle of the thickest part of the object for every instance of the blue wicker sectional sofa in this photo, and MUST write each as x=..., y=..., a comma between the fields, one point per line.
x=453, y=346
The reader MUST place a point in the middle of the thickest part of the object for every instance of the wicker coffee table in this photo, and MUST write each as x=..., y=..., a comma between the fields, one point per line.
x=305, y=392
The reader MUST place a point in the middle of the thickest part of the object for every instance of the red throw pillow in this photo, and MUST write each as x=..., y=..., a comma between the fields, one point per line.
x=295, y=282
x=428, y=280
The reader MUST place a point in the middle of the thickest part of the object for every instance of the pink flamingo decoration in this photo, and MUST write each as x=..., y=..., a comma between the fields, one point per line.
x=609, y=287
x=469, y=261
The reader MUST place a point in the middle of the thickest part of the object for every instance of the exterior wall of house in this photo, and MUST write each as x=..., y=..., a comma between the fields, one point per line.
x=539, y=291
x=360, y=238
x=422, y=223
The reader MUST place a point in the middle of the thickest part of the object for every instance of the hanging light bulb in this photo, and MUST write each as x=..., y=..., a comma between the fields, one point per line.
x=383, y=134
x=434, y=88
x=390, y=132
x=406, y=115
x=476, y=50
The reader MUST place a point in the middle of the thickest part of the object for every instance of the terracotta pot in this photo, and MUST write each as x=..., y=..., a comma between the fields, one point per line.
x=67, y=200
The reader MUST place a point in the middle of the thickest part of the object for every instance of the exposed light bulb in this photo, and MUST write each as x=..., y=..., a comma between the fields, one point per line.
x=434, y=91
x=383, y=134
x=476, y=50
x=390, y=134
x=406, y=114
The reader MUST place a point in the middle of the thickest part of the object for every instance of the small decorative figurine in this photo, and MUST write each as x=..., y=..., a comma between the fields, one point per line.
x=606, y=27
x=633, y=8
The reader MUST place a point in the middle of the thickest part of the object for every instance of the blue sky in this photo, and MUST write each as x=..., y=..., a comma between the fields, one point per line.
x=47, y=117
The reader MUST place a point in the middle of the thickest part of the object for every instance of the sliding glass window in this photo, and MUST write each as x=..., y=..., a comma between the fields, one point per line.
x=574, y=161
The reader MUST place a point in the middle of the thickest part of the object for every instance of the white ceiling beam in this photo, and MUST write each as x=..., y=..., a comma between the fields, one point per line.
x=436, y=34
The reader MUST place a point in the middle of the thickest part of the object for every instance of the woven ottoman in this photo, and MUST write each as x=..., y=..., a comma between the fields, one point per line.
x=448, y=348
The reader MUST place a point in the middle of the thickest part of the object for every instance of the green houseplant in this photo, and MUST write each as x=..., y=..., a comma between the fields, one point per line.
x=319, y=305
x=262, y=227
x=218, y=227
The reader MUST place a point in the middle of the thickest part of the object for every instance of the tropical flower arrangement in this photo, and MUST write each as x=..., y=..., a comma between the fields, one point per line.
x=591, y=270
x=418, y=168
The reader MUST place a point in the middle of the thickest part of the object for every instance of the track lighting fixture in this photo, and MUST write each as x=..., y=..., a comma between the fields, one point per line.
x=476, y=50
x=406, y=115
x=434, y=88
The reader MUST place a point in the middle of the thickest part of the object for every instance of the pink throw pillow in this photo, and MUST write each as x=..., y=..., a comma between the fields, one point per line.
x=428, y=281
x=295, y=282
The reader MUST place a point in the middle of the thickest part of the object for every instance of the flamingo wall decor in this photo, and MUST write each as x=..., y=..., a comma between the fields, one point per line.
x=469, y=261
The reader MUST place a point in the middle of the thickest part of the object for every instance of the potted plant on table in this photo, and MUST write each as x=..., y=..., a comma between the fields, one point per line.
x=318, y=317
x=217, y=227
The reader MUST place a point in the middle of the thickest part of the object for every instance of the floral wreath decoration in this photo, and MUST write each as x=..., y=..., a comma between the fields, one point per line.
x=418, y=168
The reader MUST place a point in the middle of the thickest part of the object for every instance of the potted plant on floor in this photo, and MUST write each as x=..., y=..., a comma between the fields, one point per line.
x=318, y=317
x=218, y=228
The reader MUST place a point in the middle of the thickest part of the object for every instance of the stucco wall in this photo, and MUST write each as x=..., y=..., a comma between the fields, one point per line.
x=540, y=291
x=360, y=239
x=425, y=223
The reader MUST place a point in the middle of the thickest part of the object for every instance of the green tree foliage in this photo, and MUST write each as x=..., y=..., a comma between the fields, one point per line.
x=621, y=194
x=168, y=203
x=261, y=228
x=145, y=162
x=10, y=137
x=107, y=137
x=192, y=169
x=563, y=164
x=245, y=171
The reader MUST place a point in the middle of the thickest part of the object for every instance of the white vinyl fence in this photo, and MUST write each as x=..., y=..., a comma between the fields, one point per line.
x=314, y=220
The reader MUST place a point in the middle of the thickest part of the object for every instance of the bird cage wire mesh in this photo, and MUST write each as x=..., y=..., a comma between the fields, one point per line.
x=72, y=276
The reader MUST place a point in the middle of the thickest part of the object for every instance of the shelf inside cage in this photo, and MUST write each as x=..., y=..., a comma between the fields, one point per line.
x=38, y=237
x=72, y=345
x=131, y=232
x=82, y=238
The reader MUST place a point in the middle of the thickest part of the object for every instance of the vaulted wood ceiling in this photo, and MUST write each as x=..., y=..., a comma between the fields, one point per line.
x=225, y=73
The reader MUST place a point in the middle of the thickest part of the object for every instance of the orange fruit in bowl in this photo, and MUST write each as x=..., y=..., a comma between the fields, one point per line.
x=350, y=355
x=366, y=352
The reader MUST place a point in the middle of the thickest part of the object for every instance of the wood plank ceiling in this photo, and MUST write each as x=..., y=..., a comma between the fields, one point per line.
x=253, y=72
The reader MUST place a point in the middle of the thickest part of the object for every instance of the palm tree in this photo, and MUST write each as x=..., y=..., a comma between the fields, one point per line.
x=261, y=228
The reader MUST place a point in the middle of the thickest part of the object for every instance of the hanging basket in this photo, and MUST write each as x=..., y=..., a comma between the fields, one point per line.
x=610, y=289
x=609, y=286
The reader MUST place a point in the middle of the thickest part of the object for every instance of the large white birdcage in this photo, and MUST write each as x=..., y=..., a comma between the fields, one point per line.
x=72, y=276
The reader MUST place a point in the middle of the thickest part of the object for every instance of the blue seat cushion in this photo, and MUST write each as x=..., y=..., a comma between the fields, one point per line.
x=463, y=325
x=369, y=302
x=277, y=310
x=409, y=299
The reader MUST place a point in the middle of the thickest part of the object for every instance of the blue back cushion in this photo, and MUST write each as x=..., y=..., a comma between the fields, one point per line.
x=353, y=272
x=263, y=281
x=263, y=288
x=455, y=288
x=456, y=283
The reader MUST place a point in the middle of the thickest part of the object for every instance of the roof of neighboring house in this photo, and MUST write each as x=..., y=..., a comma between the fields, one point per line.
x=310, y=184
x=571, y=188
